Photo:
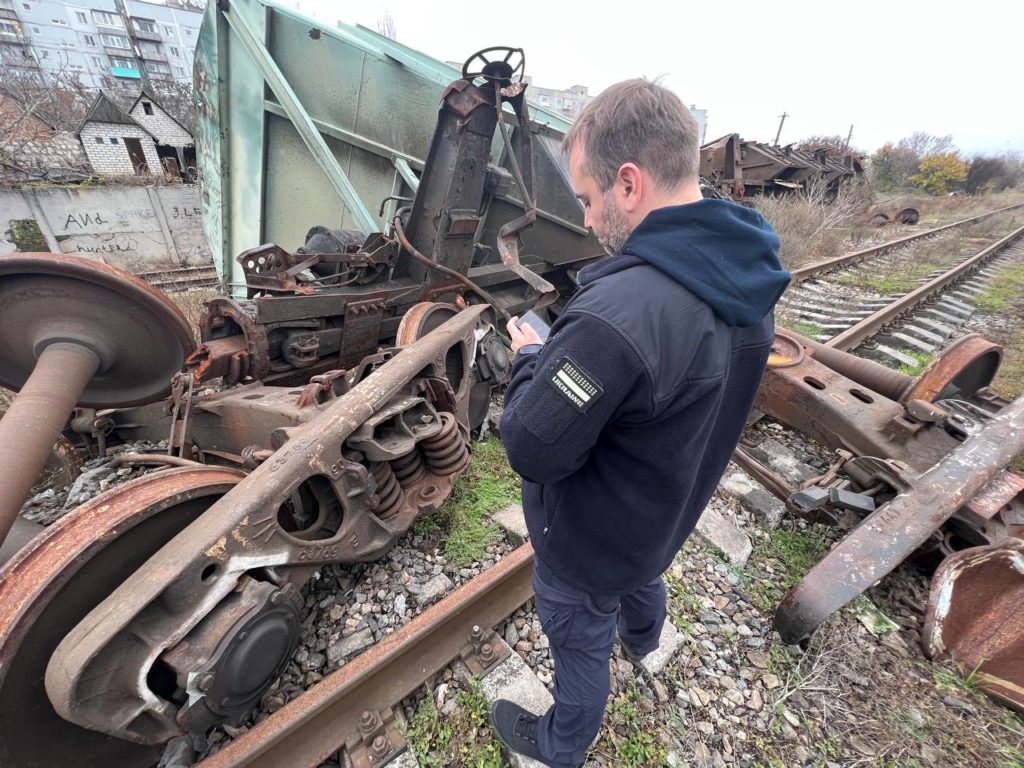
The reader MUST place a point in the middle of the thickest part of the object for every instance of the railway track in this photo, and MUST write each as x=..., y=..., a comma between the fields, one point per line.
x=867, y=256
x=852, y=304
x=350, y=708
x=181, y=279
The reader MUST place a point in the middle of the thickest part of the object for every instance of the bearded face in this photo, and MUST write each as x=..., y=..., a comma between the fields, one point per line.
x=612, y=228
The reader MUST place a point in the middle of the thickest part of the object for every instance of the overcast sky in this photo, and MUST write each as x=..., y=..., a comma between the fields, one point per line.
x=888, y=68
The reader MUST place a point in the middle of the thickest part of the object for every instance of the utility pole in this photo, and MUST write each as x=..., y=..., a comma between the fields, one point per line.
x=849, y=136
x=782, y=119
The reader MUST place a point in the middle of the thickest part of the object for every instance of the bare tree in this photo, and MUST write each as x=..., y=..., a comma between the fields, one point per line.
x=40, y=111
x=921, y=144
x=386, y=25
x=37, y=114
x=57, y=96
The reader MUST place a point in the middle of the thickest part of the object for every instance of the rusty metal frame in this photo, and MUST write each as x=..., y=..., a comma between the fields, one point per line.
x=97, y=675
x=892, y=533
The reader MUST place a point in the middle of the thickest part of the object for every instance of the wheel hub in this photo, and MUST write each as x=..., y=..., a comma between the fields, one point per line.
x=229, y=661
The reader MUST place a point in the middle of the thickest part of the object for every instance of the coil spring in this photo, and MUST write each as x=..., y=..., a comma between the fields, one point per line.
x=446, y=452
x=409, y=469
x=390, y=493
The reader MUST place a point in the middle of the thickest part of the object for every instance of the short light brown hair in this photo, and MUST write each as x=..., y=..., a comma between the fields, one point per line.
x=641, y=122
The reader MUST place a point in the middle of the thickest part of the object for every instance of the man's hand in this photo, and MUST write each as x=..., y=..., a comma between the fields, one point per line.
x=520, y=337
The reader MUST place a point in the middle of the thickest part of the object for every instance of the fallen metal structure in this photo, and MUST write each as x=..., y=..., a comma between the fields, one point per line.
x=924, y=461
x=332, y=392
x=742, y=169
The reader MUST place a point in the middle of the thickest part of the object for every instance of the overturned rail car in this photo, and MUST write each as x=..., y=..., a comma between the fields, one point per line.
x=741, y=169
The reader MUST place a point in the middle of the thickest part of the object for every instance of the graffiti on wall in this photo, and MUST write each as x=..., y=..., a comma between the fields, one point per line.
x=134, y=228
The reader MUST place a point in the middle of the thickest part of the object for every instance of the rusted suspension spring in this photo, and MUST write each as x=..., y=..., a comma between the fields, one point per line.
x=446, y=453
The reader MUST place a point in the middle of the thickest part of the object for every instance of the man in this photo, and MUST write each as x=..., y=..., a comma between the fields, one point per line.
x=623, y=421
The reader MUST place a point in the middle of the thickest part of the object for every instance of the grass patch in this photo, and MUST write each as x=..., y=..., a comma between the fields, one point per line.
x=486, y=486
x=957, y=679
x=803, y=327
x=1011, y=757
x=781, y=662
x=1005, y=295
x=786, y=556
x=682, y=604
x=1003, y=291
x=923, y=359
x=628, y=735
x=463, y=739
x=902, y=281
x=830, y=748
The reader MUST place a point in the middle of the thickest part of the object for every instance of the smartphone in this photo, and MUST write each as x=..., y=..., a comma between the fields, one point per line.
x=533, y=320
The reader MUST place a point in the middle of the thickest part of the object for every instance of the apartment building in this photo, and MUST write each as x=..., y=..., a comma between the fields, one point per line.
x=101, y=43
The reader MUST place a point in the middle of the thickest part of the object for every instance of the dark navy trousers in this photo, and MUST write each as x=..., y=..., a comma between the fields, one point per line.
x=581, y=629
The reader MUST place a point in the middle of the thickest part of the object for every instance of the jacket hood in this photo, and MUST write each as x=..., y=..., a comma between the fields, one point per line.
x=722, y=252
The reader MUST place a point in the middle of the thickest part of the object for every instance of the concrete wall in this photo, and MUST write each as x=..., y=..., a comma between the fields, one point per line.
x=137, y=229
x=111, y=158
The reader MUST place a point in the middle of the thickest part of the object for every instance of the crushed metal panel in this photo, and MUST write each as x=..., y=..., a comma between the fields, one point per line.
x=230, y=137
x=974, y=617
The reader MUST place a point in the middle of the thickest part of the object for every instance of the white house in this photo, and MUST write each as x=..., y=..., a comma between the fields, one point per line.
x=174, y=143
x=115, y=144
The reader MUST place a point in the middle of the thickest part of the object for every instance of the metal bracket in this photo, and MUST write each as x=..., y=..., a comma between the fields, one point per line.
x=379, y=740
x=484, y=651
x=362, y=328
x=323, y=387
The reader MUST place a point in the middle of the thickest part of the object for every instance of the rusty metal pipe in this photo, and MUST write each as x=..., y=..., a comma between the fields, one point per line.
x=431, y=264
x=33, y=422
x=766, y=477
x=875, y=376
x=893, y=532
x=153, y=458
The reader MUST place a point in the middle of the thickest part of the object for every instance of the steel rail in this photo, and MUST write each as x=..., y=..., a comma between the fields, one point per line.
x=872, y=324
x=314, y=726
x=812, y=270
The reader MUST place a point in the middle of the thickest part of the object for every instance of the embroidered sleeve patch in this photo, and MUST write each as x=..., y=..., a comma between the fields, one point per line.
x=575, y=384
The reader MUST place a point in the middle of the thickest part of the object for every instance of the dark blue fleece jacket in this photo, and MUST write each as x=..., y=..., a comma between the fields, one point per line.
x=623, y=422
